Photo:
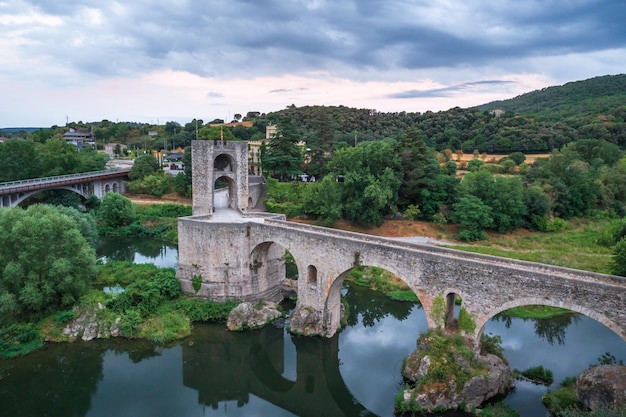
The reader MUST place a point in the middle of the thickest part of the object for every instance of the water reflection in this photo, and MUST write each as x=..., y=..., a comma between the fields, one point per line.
x=550, y=329
x=269, y=372
x=57, y=382
x=138, y=250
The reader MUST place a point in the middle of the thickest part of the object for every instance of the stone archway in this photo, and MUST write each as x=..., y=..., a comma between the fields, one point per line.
x=267, y=269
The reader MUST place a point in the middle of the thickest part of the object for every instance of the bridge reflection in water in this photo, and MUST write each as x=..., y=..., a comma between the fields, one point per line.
x=245, y=366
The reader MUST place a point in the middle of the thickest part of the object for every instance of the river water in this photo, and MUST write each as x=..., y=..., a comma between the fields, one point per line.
x=269, y=372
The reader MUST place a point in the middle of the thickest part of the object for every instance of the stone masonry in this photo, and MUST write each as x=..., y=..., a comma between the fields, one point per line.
x=240, y=256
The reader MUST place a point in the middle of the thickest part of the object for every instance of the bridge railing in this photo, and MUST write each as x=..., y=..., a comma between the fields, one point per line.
x=453, y=253
x=46, y=180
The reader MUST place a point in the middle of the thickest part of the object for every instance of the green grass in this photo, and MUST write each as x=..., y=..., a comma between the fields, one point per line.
x=577, y=247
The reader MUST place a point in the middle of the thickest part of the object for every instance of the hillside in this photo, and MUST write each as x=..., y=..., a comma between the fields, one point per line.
x=595, y=96
x=533, y=123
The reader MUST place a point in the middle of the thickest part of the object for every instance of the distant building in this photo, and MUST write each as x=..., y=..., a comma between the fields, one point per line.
x=109, y=148
x=497, y=112
x=79, y=138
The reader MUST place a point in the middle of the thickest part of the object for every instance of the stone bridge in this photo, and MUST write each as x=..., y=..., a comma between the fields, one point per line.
x=237, y=254
x=84, y=184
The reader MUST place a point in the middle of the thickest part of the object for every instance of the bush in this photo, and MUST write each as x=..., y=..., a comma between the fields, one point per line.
x=491, y=344
x=619, y=258
x=557, y=225
x=199, y=310
x=412, y=212
x=19, y=339
x=466, y=323
x=116, y=210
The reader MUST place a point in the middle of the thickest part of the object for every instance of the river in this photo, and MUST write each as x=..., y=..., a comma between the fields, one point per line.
x=272, y=373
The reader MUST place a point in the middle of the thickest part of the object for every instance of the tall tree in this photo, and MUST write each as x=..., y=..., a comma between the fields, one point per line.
x=283, y=157
x=371, y=176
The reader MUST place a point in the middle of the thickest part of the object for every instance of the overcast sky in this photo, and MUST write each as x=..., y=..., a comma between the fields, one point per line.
x=153, y=61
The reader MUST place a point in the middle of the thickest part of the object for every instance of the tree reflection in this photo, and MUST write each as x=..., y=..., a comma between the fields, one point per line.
x=52, y=384
x=551, y=329
x=373, y=306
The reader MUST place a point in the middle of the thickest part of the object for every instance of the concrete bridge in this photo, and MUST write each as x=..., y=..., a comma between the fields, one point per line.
x=84, y=184
x=238, y=254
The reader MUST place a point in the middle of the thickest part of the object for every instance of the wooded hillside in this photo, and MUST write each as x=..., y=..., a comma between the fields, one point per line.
x=534, y=122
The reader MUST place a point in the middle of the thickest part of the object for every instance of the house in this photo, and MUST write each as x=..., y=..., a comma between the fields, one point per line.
x=79, y=138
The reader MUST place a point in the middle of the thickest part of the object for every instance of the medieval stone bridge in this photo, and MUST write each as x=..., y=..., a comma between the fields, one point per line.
x=235, y=254
x=84, y=184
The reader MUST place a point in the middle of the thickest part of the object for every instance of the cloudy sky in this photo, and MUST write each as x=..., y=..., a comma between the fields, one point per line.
x=153, y=61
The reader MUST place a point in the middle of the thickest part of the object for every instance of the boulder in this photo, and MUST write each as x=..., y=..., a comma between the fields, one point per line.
x=87, y=326
x=306, y=321
x=252, y=315
x=495, y=378
x=602, y=386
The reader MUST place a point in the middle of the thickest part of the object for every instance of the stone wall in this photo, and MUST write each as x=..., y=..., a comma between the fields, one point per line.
x=225, y=255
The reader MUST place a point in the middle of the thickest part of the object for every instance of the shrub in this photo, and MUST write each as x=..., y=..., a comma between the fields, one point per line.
x=412, y=212
x=466, y=323
x=200, y=310
x=491, y=344
x=619, y=258
x=557, y=225
x=19, y=339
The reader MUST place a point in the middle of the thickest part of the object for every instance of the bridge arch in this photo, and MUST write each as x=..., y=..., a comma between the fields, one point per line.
x=26, y=195
x=267, y=266
x=551, y=302
x=230, y=193
x=332, y=305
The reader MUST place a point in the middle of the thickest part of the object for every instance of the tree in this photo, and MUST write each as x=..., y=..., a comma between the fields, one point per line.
x=517, y=157
x=283, y=157
x=116, y=210
x=215, y=133
x=474, y=216
x=19, y=161
x=45, y=262
x=371, y=177
x=143, y=166
x=57, y=157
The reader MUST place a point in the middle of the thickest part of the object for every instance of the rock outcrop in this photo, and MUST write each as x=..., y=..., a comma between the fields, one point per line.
x=87, y=326
x=602, y=386
x=252, y=315
x=471, y=381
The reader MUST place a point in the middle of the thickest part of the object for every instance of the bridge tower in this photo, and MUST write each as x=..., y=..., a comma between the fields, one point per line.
x=211, y=161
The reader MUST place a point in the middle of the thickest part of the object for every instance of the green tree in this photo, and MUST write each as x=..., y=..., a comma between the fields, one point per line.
x=283, y=157
x=474, y=216
x=19, y=161
x=371, y=177
x=116, y=210
x=45, y=262
x=143, y=166
x=91, y=160
x=57, y=157
x=215, y=133
x=323, y=199
x=517, y=157
x=84, y=221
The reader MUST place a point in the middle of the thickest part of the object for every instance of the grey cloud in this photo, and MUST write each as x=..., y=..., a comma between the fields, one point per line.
x=448, y=91
x=273, y=37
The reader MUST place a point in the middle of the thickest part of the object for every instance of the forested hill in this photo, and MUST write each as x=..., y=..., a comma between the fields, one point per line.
x=595, y=96
x=534, y=122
